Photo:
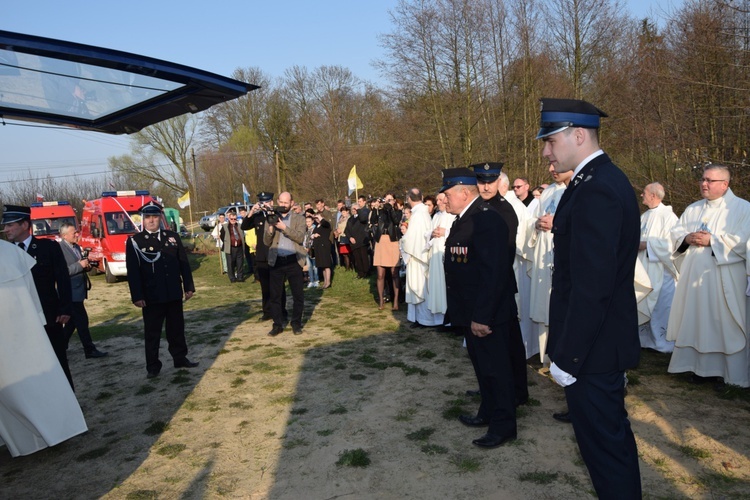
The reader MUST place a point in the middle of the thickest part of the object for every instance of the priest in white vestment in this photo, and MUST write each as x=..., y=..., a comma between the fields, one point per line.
x=655, y=254
x=708, y=317
x=520, y=268
x=540, y=251
x=416, y=259
x=37, y=406
x=441, y=226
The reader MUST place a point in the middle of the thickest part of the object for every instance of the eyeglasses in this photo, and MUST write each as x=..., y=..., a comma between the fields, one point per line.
x=518, y=187
x=711, y=181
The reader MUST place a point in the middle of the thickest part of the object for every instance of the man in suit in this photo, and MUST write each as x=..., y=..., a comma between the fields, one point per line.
x=286, y=258
x=233, y=239
x=159, y=276
x=78, y=266
x=593, y=331
x=50, y=277
x=488, y=175
x=478, y=278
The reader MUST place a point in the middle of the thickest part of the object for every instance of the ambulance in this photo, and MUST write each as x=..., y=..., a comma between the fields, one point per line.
x=106, y=225
x=48, y=216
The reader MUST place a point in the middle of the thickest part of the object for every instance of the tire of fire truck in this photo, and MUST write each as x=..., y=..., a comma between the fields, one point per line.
x=109, y=277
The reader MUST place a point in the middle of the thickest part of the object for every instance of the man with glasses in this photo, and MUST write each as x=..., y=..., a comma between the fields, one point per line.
x=78, y=266
x=707, y=320
x=521, y=190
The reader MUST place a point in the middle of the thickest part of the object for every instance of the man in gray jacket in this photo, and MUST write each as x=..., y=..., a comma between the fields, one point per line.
x=286, y=258
x=78, y=265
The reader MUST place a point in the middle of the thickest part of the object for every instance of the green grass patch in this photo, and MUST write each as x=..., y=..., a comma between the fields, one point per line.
x=237, y=382
x=171, y=450
x=93, y=454
x=422, y=434
x=156, y=428
x=357, y=376
x=325, y=432
x=353, y=458
x=538, y=477
x=338, y=410
x=693, y=452
x=466, y=464
x=425, y=354
x=298, y=411
x=240, y=405
x=294, y=443
x=142, y=495
x=103, y=396
x=145, y=389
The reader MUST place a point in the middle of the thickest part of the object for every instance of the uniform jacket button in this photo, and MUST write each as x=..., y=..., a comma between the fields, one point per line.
x=575, y=360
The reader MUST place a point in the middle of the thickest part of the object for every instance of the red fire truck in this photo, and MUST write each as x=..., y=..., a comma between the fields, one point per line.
x=106, y=224
x=48, y=216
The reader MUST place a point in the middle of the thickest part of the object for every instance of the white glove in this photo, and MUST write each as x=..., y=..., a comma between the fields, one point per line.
x=564, y=379
x=747, y=291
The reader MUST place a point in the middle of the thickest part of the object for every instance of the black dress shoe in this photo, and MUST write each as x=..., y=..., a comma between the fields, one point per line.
x=265, y=317
x=416, y=324
x=275, y=331
x=185, y=363
x=493, y=440
x=563, y=416
x=152, y=374
x=473, y=394
x=472, y=421
x=297, y=329
x=96, y=353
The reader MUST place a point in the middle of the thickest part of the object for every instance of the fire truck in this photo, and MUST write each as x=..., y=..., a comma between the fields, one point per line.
x=106, y=225
x=48, y=216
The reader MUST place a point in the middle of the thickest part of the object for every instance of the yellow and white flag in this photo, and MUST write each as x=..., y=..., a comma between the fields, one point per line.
x=354, y=181
x=184, y=200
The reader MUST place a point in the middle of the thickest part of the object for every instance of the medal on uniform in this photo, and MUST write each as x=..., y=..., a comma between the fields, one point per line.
x=466, y=254
x=453, y=254
x=459, y=250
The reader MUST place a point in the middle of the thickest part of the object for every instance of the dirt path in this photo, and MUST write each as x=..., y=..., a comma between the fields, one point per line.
x=270, y=417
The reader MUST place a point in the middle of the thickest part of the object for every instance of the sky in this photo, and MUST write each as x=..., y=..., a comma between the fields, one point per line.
x=213, y=36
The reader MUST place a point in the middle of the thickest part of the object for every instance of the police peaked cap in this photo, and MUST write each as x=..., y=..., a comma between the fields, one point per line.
x=15, y=213
x=559, y=114
x=151, y=208
x=487, y=171
x=457, y=177
x=264, y=196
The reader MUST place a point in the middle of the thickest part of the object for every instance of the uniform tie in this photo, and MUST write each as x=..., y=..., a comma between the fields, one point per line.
x=22, y=246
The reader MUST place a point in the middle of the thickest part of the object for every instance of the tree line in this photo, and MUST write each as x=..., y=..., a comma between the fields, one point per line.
x=463, y=83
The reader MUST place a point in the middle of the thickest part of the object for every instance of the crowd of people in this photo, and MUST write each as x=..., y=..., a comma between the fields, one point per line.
x=566, y=271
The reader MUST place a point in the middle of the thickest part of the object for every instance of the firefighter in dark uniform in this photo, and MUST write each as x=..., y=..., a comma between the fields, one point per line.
x=480, y=302
x=487, y=182
x=159, y=276
x=51, y=278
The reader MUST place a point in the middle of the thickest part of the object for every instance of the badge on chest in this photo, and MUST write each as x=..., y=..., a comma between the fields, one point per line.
x=459, y=254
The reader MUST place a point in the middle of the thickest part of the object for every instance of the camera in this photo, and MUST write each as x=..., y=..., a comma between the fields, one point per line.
x=85, y=256
x=272, y=214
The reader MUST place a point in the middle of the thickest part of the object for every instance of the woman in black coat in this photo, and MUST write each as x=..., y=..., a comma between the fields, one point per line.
x=321, y=245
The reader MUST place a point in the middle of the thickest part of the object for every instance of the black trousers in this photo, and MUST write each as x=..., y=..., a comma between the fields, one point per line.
x=263, y=274
x=154, y=317
x=518, y=360
x=361, y=261
x=596, y=402
x=79, y=320
x=491, y=361
x=287, y=269
x=236, y=263
x=59, y=345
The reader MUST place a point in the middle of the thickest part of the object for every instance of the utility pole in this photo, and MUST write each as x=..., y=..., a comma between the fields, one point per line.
x=278, y=171
x=195, y=177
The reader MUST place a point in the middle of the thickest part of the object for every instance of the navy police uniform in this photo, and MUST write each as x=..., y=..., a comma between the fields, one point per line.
x=159, y=273
x=257, y=222
x=593, y=331
x=479, y=289
x=489, y=172
x=52, y=283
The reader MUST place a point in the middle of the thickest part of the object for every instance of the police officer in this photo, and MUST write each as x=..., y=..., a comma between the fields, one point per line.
x=50, y=277
x=480, y=302
x=488, y=174
x=593, y=319
x=256, y=219
x=159, y=276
